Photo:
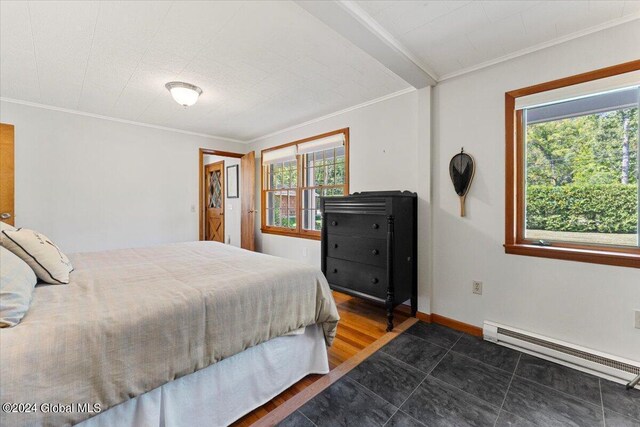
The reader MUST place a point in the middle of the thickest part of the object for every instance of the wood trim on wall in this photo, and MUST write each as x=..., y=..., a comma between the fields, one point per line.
x=299, y=231
x=457, y=325
x=467, y=328
x=7, y=172
x=515, y=242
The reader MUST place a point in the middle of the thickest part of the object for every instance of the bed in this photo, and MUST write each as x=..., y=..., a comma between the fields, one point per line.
x=181, y=334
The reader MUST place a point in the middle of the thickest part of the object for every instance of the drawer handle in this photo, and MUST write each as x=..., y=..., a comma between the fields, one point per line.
x=374, y=280
x=375, y=226
x=334, y=223
x=335, y=270
x=335, y=245
x=375, y=252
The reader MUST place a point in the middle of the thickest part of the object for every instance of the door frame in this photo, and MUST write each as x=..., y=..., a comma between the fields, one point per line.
x=7, y=163
x=202, y=153
x=219, y=164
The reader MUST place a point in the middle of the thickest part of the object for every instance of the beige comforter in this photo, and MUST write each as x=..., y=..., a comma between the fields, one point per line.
x=132, y=320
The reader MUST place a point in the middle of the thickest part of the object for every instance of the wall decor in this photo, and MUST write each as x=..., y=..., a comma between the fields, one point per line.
x=232, y=182
x=461, y=170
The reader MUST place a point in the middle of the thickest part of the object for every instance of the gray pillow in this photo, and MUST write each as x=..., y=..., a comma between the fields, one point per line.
x=17, y=281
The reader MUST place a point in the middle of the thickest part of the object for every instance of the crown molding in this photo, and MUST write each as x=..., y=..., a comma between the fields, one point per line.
x=115, y=119
x=541, y=46
x=337, y=113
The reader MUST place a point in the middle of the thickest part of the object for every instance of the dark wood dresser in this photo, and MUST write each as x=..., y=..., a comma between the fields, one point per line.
x=369, y=247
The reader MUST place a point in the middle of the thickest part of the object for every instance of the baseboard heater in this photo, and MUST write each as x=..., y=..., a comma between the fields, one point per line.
x=614, y=368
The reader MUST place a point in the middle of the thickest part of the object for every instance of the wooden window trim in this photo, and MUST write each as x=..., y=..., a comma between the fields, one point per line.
x=299, y=231
x=515, y=243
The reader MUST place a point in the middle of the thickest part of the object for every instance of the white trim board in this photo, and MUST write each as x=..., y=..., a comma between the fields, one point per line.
x=115, y=119
x=551, y=43
x=299, y=125
x=336, y=113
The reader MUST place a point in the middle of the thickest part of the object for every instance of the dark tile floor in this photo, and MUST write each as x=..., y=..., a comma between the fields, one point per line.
x=435, y=376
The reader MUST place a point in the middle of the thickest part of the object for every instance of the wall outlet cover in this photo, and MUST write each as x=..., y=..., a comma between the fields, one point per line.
x=477, y=287
x=637, y=321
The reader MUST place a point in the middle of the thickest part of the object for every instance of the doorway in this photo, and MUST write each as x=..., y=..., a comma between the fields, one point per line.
x=227, y=197
x=214, y=202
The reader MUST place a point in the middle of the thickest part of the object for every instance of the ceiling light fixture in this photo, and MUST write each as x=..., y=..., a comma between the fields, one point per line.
x=183, y=93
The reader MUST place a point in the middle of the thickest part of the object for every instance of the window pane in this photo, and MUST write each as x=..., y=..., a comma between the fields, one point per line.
x=281, y=209
x=582, y=175
x=310, y=208
x=340, y=173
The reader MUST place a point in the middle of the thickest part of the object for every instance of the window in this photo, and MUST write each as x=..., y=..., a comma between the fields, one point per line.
x=572, y=168
x=296, y=175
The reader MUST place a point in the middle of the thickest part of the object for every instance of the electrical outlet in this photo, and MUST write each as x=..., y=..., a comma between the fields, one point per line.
x=637, y=323
x=477, y=287
x=304, y=252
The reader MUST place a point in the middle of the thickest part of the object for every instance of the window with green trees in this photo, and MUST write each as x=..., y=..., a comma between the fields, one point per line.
x=296, y=175
x=581, y=170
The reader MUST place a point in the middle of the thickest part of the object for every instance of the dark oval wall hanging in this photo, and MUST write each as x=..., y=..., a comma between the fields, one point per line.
x=461, y=170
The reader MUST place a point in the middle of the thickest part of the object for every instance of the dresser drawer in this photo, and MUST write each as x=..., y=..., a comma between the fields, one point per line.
x=357, y=225
x=361, y=249
x=359, y=277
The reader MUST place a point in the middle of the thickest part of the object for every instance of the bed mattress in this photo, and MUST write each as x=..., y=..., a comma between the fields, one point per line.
x=132, y=320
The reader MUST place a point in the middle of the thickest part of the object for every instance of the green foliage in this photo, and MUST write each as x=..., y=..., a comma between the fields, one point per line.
x=603, y=208
x=582, y=173
x=586, y=150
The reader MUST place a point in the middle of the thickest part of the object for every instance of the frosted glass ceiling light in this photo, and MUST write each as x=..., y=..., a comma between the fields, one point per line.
x=183, y=93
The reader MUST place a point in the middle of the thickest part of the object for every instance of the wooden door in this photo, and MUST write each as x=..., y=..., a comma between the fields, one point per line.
x=7, y=170
x=248, y=188
x=214, y=202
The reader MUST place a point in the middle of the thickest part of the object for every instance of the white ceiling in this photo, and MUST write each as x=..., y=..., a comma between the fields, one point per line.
x=263, y=66
x=450, y=37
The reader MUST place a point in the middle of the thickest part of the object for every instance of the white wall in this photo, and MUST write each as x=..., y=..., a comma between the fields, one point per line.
x=585, y=304
x=389, y=149
x=92, y=184
x=232, y=206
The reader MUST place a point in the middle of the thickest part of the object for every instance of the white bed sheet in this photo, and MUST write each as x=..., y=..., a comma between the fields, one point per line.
x=225, y=391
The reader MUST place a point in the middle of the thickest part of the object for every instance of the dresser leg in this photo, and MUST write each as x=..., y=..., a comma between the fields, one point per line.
x=414, y=306
x=389, y=316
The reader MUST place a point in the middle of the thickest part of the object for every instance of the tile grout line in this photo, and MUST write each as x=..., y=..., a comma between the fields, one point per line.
x=301, y=413
x=564, y=393
x=375, y=394
x=604, y=422
x=507, y=392
x=485, y=363
x=423, y=380
x=405, y=363
x=432, y=343
x=458, y=353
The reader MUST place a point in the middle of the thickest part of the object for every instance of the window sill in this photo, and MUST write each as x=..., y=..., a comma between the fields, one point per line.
x=618, y=257
x=302, y=235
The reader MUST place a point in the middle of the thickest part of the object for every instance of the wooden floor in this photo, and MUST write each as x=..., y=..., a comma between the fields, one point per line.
x=361, y=323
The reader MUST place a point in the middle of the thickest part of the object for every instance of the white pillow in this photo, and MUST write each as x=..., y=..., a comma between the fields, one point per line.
x=17, y=281
x=45, y=258
x=4, y=226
